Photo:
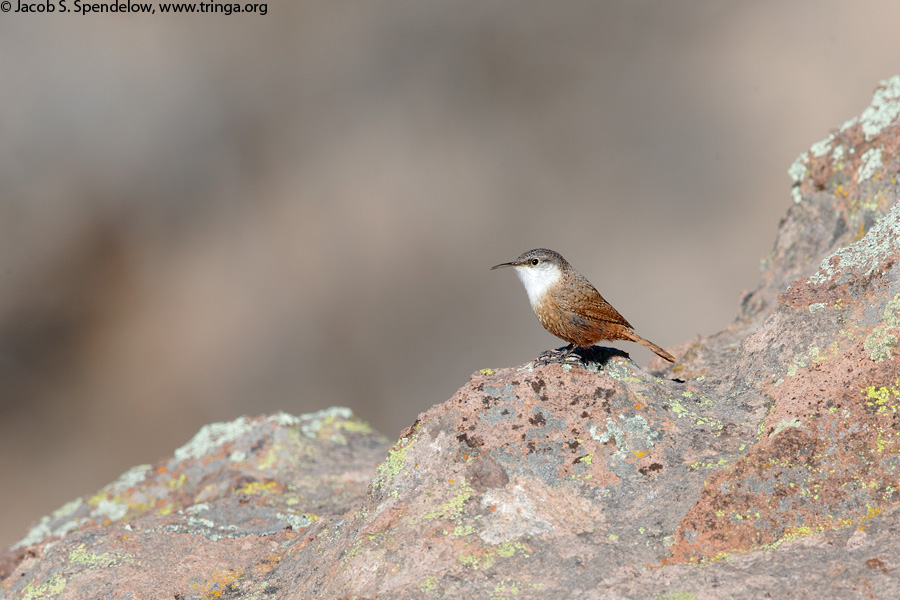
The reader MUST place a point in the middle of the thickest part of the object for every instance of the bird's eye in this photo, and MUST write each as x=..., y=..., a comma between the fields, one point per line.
x=534, y=261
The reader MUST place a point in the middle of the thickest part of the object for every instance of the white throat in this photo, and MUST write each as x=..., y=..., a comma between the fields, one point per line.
x=537, y=280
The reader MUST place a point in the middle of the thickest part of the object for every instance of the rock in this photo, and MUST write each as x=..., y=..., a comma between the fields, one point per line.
x=222, y=509
x=764, y=463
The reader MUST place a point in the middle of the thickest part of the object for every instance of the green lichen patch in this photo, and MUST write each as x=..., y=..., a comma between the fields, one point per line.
x=331, y=423
x=298, y=521
x=696, y=416
x=784, y=424
x=813, y=354
x=429, y=586
x=885, y=399
x=452, y=508
x=58, y=524
x=109, y=509
x=709, y=465
x=102, y=560
x=871, y=164
x=462, y=530
x=884, y=109
x=48, y=589
x=485, y=557
x=213, y=436
x=630, y=435
x=260, y=487
x=508, y=589
x=391, y=467
x=884, y=337
x=862, y=258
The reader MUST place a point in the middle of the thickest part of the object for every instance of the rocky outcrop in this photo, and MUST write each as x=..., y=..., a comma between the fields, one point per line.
x=765, y=462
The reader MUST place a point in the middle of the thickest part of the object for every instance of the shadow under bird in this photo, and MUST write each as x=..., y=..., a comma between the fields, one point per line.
x=568, y=306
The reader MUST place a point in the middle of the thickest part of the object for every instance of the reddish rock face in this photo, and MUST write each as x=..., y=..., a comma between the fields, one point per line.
x=764, y=463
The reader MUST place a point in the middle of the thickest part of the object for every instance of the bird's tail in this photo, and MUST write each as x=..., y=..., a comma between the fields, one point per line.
x=656, y=349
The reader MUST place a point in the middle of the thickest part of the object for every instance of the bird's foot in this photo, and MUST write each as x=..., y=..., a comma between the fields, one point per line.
x=559, y=355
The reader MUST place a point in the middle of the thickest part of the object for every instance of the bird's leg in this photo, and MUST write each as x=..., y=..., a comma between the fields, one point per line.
x=567, y=355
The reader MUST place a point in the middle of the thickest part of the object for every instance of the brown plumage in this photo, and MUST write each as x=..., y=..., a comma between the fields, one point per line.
x=568, y=306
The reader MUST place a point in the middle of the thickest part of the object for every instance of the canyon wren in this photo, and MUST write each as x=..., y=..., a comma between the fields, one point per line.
x=568, y=306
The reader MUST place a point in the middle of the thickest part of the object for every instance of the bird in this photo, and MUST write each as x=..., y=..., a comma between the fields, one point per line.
x=568, y=306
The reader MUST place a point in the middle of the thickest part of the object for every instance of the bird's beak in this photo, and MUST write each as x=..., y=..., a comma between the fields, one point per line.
x=509, y=264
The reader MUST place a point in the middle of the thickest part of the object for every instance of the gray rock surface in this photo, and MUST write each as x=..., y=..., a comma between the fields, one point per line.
x=763, y=464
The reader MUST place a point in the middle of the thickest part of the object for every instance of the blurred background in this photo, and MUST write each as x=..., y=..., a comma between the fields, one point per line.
x=208, y=216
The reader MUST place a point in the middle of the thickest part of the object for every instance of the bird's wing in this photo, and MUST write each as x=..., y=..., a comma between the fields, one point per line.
x=590, y=305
